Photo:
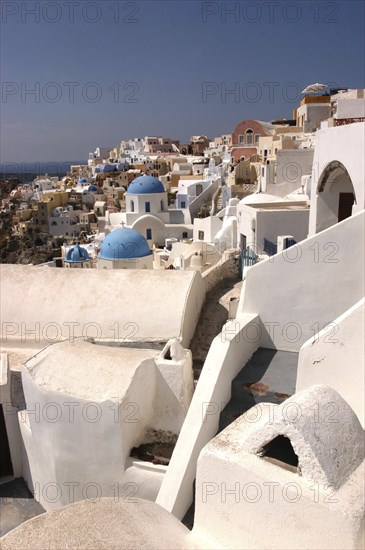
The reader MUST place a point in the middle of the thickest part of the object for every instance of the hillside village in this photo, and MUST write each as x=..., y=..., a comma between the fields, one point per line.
x=182, y=340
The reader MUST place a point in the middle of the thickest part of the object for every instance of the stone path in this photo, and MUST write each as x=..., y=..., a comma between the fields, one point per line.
x=213, y=316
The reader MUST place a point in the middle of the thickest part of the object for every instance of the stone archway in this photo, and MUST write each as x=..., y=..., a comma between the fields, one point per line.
x=336, y=195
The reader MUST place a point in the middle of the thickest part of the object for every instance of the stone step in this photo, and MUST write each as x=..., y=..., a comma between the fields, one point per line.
x=268, y=377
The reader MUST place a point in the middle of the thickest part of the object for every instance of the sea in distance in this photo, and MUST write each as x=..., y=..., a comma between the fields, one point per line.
x=26, y=172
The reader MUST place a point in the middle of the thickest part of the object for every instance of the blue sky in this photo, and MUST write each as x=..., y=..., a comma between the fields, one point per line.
x=106, y=70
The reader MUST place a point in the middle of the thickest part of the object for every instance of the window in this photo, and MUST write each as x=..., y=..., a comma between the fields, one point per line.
x=183, y=204
x=249, y=137
x=162, y=206
x=257, y=137
x=185, y=235
x=242, y=139
x=148, y=234
x=201, y=235
x=147, y=207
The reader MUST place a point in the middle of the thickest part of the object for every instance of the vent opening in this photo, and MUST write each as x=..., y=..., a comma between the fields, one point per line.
x=167, y=354
x=280, y=452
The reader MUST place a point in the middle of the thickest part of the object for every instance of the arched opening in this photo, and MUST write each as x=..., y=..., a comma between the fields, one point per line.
x=249, y=137
x=280, y=452
x=336, y=196
x=132, y=206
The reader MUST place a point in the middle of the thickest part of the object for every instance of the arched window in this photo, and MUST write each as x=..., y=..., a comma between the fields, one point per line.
x=249, y=137
x=132, y=206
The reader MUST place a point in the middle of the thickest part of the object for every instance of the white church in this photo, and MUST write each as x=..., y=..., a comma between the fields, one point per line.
x=148, y=212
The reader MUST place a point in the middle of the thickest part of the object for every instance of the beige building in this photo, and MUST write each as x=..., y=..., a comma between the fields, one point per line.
x=312, y=111
x=43, y=208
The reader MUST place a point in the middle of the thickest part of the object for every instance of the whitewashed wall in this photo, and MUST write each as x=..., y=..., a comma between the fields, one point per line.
x=345, y=144
x=335, y=357
x=297, y=292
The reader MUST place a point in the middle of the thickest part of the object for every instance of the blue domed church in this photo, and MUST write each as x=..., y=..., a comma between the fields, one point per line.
x=78, y=257
x=147, y=212
x=125, y=248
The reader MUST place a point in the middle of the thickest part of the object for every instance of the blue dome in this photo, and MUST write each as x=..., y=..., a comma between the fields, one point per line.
x=104, y=168
x=77, y=254
x=120, y=166
x=82, y=180
x=145, y=185
x=124, y=244
x=92, y=188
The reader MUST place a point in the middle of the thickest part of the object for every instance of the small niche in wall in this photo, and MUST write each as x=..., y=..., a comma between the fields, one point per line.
x=167, y=354
x=281, y=453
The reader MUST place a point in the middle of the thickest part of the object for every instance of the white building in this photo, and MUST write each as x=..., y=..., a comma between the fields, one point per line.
x=109, y=343
x=99, y=155
x=263, y=218
x=64, y=221
x=312, y=111
x=338, y=175
x=221, y=229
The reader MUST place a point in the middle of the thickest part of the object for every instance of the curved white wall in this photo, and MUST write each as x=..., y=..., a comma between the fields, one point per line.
x=47, y=305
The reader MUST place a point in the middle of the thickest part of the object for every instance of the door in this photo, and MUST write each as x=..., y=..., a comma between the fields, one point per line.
x=346, y=201
x=243, y=240
x=6, y=468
